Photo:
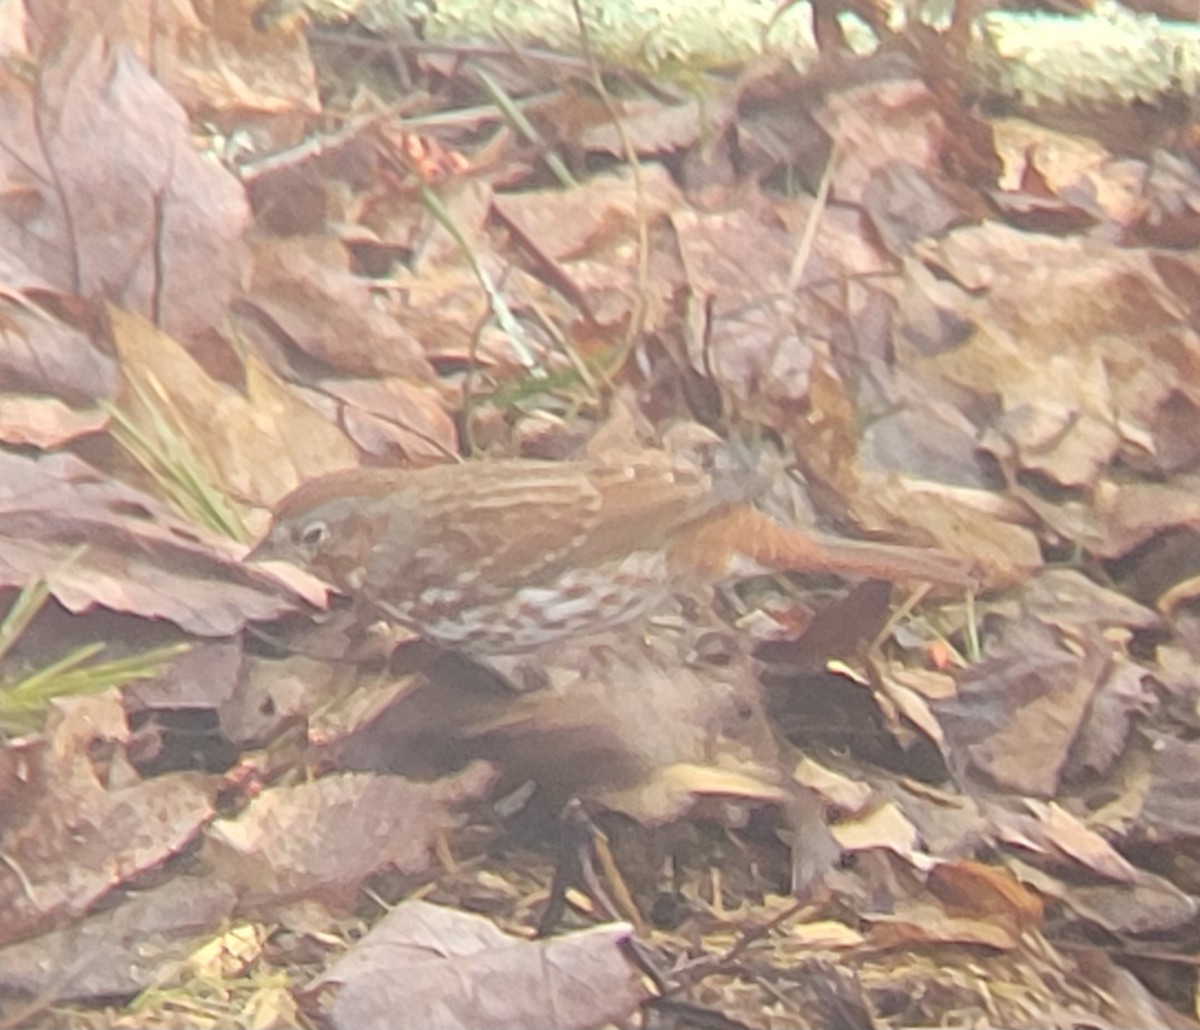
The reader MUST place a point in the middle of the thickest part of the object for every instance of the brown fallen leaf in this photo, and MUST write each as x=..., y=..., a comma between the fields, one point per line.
x=585, y=240
x=121, y=950
x=398, y=419
x=1165, y=801
x=1048, y=829
x=98, y=542
x=916, y=924
x=1052, y=350
x=41, y=354
x=249, y=68
x=168, y=243
x=1075, y=173
x=256, y=445
x=44, y=422
x=986, y=892
x=1056, y=693
x=652, y=126
x=426, y=967
x=304, y=288
x=1149, y=904
x=70, y=838
x=322, y=839
x=883, y=827
x=1018, y=712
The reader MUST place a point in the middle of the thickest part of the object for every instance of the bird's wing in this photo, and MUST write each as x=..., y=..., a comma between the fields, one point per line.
x=487, y=526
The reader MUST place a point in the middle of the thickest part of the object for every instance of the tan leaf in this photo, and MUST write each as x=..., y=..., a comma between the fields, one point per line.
x=256, y=447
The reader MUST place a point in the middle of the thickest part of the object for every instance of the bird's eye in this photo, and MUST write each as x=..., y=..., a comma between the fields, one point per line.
x=314, y=534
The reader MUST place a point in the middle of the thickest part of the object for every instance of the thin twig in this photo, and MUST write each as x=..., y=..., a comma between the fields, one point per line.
x=642, y=305
x=809, y=236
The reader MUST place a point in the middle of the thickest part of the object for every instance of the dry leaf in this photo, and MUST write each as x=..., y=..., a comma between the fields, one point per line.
x=430, y=968
x=322, y=839
x=121, y=950
x=257, y=446
x=71, y=839
x=167, y=242
x=98, y=542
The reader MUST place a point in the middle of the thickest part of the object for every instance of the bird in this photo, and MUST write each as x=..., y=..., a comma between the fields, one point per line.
x=505, y=556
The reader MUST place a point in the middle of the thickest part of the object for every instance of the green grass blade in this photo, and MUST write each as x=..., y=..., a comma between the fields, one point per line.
x=23, y=702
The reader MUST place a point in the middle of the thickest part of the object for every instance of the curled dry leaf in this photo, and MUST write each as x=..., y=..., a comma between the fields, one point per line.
x=1146, y=904
x=920, y=923
x=1070, y=172
x=987, y=892
x=885, y=827
x=1048, y=829
x=1118, y=516
x=847, y=794
x=1152, y=904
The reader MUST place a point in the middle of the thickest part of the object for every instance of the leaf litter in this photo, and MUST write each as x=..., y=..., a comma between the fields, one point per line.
x=239, y=253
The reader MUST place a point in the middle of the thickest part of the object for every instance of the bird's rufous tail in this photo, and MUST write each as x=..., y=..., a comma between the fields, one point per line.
x=714, y=546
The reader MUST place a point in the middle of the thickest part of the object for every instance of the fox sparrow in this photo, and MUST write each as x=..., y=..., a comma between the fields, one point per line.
x=504, y=556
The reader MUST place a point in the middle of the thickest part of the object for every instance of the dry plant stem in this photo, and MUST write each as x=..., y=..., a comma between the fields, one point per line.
x=516, y=117
x=500, y=309
x=469, y=393
x=638, y=320
x=311, y=149
x=481, y=114
x=24, y=609
x=322, y=145
x=420, y=46
x=974, y=645
x=579, y=839
x=1181, y=593
x=809, y=236
x=22, y=877
x=577, y=363
x=622, y=896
